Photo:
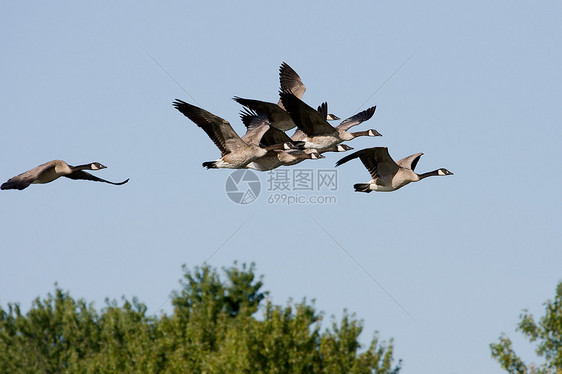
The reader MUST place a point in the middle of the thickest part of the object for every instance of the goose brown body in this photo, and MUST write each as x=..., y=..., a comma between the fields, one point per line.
x=52, y=170
x=386, y=174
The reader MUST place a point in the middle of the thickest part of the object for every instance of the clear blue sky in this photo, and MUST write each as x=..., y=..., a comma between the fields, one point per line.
x=463, y=255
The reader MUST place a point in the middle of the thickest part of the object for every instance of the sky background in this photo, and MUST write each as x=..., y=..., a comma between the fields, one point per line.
x=463, y=255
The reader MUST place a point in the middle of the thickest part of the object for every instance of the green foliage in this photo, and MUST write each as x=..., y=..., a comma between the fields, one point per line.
x=547, y=333
x=218, y=326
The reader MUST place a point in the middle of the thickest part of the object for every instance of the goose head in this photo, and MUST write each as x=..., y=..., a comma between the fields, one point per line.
x=97, y=166
x=373, y=132
x=289, y=145
x=343, y=148
x=443, y=171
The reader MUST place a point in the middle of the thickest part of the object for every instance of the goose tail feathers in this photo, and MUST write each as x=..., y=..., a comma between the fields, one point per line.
x=210, y=164
x=362, y=187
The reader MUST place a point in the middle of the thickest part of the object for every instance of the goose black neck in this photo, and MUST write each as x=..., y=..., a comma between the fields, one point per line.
x=429, y=174
x=360, y=133
x=81, y=167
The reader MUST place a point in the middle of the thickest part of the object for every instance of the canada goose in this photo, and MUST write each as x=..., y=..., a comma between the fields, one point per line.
x=272, y=135
x=52, y=170
x=276, y=156
x=388, y=175
x=235, y=152
x=275, y=136
x=278, y=117
x=315, y=131
x=289, y=157
x=289, y=80
x=337, y=148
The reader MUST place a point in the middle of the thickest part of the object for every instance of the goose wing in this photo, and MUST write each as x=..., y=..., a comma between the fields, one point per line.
x=377, y=160
x=23, y=180
x=270, y=136
x=305, y=117
x=410, y=162
x=218, y=129
x=271, y=110
x=275, y=136
x=289, y=80
x=256, y=126
x=355, y=120
x=81, y=174
x=323, y=110
x=276, y=115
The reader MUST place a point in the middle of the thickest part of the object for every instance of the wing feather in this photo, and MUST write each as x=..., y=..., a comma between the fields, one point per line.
x=289, y=80
x=218, y=129
x=81, y=174
x=376, y=160
x=355, y=120
x=410, y=162
x=23, y=180
x=256, y=126
x=305, y=117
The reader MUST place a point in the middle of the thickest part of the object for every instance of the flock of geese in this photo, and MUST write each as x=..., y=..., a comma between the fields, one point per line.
x=266, y=146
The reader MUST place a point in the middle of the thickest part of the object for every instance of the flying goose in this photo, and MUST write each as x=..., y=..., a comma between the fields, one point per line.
x=278, y=117
x=289, y=80
x=388, y=175
x=235, y=152
x=315, y=131
x=275, y=136
x=335, y=148
x=275, y=156
x=272, y=136
x=52, y=170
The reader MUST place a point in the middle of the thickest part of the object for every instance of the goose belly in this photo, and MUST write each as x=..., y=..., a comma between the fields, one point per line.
x=321, y=142
x=381, y=188
x=265, y=163
x=293, y=162
x=229, y=164
x=47, y=176
x=385, y=186
x=236, y=160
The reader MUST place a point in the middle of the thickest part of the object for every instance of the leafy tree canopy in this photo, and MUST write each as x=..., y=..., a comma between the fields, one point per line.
x=217, y=326
x=546, y=333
